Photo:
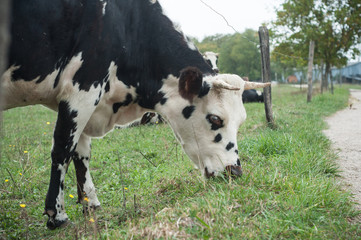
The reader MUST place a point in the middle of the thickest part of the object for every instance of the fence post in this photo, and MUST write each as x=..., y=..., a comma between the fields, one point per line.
x=309, y=71
x=4, y=41
x=266, y=72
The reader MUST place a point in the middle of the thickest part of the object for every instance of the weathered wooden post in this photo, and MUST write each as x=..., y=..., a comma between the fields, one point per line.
x=309, y=71
x=4, y=36
x=4, y=40
x=266, y=73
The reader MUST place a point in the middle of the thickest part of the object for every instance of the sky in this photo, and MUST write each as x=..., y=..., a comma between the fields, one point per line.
x=198, y=20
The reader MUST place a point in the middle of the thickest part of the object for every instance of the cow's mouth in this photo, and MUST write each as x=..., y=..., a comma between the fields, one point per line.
x=230, y=171
x=233, y=171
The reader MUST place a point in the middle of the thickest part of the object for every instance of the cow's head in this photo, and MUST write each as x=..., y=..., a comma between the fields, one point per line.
x=212, y=59
x=205, y=114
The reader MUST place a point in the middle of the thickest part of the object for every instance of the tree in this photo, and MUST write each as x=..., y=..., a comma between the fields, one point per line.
x=334, y=25
x=212, y=43
x=240, y=55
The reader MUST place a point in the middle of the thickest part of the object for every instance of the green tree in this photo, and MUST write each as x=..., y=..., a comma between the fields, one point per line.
x=334, y=25
x=240, y=55
x=212, y=43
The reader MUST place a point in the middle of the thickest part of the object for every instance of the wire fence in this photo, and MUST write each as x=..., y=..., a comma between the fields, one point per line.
x=350, y=74
x=236, y=31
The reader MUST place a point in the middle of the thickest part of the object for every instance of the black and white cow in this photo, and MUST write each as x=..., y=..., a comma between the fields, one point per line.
x=212, y=60
x=100, y=63
x=252, y=95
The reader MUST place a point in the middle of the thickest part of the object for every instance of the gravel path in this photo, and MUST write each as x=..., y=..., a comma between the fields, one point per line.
x=345, y=133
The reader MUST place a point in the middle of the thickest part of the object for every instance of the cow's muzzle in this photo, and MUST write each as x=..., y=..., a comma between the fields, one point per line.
x=233, y=171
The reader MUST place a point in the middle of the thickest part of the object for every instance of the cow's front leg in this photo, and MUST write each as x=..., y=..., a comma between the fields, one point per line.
x=85, y=186
x=70, y=123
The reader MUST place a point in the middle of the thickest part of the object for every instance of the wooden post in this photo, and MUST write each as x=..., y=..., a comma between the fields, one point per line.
x=309, y=71
x=330, y=74
x=4, y=41
x=4, y=37
x=266, y=72
x=322, y=77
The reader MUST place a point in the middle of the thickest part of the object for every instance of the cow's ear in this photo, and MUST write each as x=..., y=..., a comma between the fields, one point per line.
x=190, y=83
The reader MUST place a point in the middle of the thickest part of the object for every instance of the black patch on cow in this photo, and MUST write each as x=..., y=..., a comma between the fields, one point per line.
x=187, y=111
x=62, y=150
x=209, y=62
x=229, y=146
x=159, y=97
x=163, y=101
x=236, y=151
x=65, y=127
x=213, y=125
x=204, y=90
x=251, y=95
x=80, y=175
x=107, y=87
x=127, y=101
x=218, y=138
x=238, y=162
x=98, y=99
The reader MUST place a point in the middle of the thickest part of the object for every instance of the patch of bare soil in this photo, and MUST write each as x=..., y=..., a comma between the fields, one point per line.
x=345, y=134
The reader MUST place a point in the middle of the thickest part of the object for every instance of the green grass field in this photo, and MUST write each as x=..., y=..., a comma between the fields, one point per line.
x=149, y=189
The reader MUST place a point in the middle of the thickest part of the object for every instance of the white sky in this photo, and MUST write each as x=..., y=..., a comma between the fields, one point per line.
x=197, y=20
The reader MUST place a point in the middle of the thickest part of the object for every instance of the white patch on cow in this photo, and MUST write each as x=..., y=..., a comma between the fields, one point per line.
x=104, y=2
x=89, y=188
x=152, y=1
x=60, y=205
x=83, y=147
x=66, y=85
x=83, y=150
x=212, y=57
x=22, y=93
x=195, y=133
x=84, y=103
x=190, y=44
x=104, y=119
x=259, y=93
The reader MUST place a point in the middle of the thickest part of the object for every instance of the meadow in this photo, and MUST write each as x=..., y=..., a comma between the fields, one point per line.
x=149, y=189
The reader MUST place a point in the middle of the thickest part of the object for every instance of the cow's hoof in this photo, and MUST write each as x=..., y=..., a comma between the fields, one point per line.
x=88, y=209
x=52, y=223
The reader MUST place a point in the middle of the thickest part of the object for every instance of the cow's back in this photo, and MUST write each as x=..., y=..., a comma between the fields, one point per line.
x=63, y=43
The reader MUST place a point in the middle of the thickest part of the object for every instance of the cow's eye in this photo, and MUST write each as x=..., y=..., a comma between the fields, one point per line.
x=214, y=119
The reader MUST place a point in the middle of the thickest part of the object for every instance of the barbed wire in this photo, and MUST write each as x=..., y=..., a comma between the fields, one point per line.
x=235, y=30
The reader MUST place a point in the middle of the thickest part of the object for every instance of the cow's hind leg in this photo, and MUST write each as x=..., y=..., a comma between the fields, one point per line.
x=86, y=190
x=72, y=117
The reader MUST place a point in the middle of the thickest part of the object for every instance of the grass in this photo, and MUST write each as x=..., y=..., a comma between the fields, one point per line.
x=149, y=189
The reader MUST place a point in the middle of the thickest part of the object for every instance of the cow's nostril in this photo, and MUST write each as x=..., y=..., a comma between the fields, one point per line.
x=234, y=171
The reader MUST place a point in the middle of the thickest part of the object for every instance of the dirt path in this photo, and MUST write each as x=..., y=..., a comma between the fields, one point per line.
x=345, y=133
